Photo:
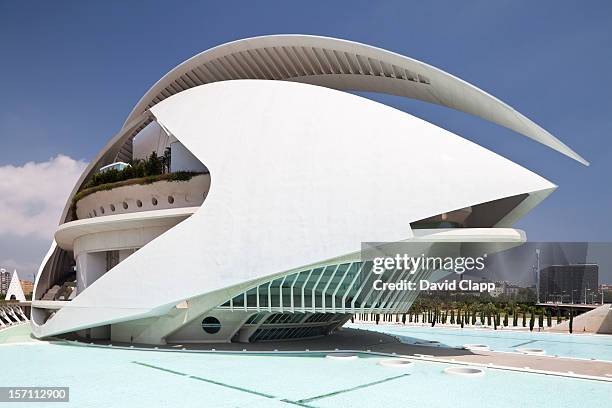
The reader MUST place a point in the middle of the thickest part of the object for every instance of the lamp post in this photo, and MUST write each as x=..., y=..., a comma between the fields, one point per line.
x=537, y=251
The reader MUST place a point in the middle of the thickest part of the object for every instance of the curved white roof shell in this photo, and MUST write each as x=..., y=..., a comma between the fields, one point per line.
x=343, y=65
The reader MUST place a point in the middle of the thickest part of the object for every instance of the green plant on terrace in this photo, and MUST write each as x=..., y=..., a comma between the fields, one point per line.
x=152, y=166
x=139, y=172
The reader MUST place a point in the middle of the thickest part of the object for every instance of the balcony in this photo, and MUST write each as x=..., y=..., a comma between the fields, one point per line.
x=142, y=194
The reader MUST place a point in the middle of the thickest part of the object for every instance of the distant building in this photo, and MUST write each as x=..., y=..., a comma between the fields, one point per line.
x=568, y=283
x=499, y=289
x=5, y=280
x=27, y=286
x=605, y=292
x=505, y=288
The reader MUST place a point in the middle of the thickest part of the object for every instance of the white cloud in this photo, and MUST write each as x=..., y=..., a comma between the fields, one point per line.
x=33, y=196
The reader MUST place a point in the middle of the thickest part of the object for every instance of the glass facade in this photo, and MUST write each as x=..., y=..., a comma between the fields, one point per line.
x=337, y=288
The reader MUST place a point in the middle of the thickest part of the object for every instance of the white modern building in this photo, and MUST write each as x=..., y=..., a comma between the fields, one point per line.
x=289, y=174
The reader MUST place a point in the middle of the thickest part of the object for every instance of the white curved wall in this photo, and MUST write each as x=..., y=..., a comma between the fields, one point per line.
x=300, y=174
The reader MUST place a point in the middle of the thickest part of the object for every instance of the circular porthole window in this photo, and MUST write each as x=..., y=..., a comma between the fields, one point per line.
x=112, y=207
x=154, y=201
x=95, y=213
x=125, y=205
x=102, y=210
x=138, y=203
x=170, y=200
x=211, y=325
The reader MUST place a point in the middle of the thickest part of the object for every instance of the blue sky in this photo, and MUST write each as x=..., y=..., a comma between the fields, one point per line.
x=72, y=71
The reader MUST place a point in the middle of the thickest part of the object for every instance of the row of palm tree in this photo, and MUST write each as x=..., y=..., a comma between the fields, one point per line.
x=475, y=314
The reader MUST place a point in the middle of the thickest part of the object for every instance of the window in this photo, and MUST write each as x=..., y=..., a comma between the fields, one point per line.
x=211, y=325
x=102, y=210
x=125, y=205
x=154, y=201
x=138, y=203
x=112, y=207
x=170, y=200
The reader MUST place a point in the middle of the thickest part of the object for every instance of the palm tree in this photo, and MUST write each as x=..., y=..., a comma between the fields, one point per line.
x=167, y=158
x=495, y=317
x=541, y=318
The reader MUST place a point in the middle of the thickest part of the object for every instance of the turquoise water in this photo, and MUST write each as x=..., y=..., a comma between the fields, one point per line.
x=106, y=377
x=564, y=345
x=16, y=334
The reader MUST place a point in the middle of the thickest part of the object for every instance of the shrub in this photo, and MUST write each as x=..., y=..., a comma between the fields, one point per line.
x=152, y=166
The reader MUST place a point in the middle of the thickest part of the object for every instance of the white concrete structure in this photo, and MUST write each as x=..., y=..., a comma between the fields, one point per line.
x=267, y=245
x=15, y=291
